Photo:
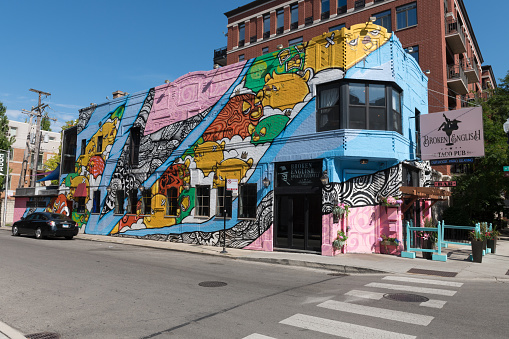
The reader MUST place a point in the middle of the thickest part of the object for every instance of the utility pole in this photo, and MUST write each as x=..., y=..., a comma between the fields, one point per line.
x=37, y=112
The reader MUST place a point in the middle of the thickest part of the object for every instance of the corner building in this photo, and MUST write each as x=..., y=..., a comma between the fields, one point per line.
x=340, y=107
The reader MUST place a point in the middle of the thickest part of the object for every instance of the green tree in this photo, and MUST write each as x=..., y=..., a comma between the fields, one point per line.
x=5, y=140
x=480, y=195
x=54, y=161
x=45, y=124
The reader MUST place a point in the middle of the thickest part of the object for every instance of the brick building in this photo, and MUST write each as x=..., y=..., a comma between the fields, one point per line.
x=50, y=141
x=438, y=33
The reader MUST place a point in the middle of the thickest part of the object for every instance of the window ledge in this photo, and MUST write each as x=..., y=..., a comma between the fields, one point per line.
x=407, y=27
x=249, y=219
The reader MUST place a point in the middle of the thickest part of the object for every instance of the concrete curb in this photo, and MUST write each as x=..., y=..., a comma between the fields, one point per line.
x=8, y=332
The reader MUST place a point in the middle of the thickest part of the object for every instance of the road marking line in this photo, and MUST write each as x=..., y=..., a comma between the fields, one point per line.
x=258, y=336
x=365, y=294
x=339, y=328
x=405, y=317
x=407, y=288
x=377, y=296
x=433, y=303
x=425, y=281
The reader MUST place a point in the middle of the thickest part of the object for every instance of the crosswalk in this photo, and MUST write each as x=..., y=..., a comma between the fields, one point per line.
x=352, y=303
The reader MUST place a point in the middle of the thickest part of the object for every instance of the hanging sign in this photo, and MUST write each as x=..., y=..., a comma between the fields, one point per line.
x=3, y=162
x=232, y=185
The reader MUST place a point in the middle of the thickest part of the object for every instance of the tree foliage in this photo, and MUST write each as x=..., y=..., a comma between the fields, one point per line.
x=480, y=195
x=5, y=140
x=45, y=124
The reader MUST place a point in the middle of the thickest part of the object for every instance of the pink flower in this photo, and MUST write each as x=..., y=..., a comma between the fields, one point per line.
x=391, y=201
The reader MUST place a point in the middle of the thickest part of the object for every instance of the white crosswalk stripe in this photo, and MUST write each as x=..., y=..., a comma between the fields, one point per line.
x=339, y=328
x=257, y=336
x=407, y=288
x=405, y=317
x=424, y=281
x=377, y=296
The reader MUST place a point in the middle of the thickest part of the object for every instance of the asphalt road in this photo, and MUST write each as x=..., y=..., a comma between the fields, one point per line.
x=84, y=289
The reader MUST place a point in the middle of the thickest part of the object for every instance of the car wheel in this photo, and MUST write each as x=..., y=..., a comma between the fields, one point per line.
x=15, y=231
x=69, y=237
x=38, y=233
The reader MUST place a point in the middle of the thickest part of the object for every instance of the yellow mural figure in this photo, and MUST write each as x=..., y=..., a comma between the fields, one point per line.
x=158, y=217
x=231, y=169
x=346, y=47
x=108, y=131
x=207, y=155
x=283, y=91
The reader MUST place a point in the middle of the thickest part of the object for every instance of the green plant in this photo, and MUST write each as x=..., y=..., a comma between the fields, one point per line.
x=340, y=240
x=476, y=236
x=390, y=201
x=341, y=210
x=384, y=238
x=428, y=235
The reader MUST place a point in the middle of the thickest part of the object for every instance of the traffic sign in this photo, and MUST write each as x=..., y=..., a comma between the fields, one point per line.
x=232, y=185
x=445, y=183
x=506, y=168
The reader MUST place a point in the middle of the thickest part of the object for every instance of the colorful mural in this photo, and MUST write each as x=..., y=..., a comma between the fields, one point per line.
x=231, y=123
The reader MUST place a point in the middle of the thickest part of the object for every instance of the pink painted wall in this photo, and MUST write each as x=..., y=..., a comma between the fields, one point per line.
x=189, y=95
x=264, y=242
x=20, y=205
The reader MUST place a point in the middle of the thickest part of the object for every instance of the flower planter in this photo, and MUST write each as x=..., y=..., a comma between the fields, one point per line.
x=477, y=247
x=429, y=245
x=492, y=243
x=388, y=247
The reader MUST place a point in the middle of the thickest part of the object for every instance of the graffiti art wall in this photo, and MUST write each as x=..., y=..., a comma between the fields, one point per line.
x=154, y=164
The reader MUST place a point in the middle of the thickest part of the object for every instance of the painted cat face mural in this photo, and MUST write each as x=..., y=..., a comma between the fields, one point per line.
x=208, y=155
x=283, y=91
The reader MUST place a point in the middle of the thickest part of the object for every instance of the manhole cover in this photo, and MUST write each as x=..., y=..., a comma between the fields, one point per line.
x=212, y=284
x=406, y=297
x=44, y=335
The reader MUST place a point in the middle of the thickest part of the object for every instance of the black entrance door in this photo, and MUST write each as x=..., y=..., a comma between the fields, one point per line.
x=299, y=221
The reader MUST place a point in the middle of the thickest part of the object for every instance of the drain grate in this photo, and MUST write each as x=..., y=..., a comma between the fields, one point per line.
x=406, y=297
x=43, y=335
x=212, y=284
x=432, y=272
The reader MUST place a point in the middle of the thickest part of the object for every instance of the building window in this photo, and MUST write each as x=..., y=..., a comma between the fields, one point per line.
x=134, y=146
x=202, y=200
x=406, y=15
x=341, y=6
x=265, y=50
x=81, y=204
x=242, y=34
x=83, y=146
x=294, y=13
x=11, y=155
x=172, y=202
x=384, y=19
x=325, y=9
x=358, y=105
x=296, y=41
x=417, y=133
x=266, y=26
x=146, y=202
x=241, y=57
x=223, y=204
x=133, y=202
x=280, y=21
x=51, y=138
x=119, y=202
x=99, y=144
x=336, y=28
x=413, y=51
x=96, y=203
x=13, y=131
x=247, y=201
x=359, y=4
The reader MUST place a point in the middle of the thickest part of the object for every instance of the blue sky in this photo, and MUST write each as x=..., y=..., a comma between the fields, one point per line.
x=82, y=51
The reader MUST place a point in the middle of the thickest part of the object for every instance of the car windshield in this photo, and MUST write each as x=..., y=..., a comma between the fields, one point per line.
x=55, y=216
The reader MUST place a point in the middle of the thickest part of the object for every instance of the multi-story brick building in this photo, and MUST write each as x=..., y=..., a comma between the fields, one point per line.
x=50, y=141
x=438, y=33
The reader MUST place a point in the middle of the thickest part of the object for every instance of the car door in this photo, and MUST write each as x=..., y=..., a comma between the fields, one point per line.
x=32, y=224
x=23, y=225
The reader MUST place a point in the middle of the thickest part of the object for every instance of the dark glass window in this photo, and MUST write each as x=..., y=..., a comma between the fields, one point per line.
x=294, y=13
x=172, y=202
x=295, y=41
x=146, y=202
x=241, y=57
x=133, y=201
x=242, y=34
x=266, y=26
x=406, y=15
x=413, y=51
x=336, y=28
x=96, y=204
x=81, y=204
x=418, y=133
x=203, y=200
x=135, y=145
x=83, y=146
x=99, y=144
x=265, y=50
x=280, y=21
x=358, y=105
x=325, y=9
x=247, y=201
x=119, y=202
x=224, y=202
x=341, y=6
x=384, y=19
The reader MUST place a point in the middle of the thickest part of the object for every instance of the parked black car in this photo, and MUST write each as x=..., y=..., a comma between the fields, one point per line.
x=44, y=224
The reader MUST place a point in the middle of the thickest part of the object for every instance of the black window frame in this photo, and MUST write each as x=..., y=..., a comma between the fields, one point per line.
x=247, y=201
x=202, y=201
x=172, y=202
x=221, y=205
x=242, y=34
x=82, y=207
x=83, y=146
x=340, y=115
x=99, y=148
x=266, y=25
x=406, y=10
x=132, y=206
x=119, y=202
x=385, y=16
x=342, y=6
x=134, y=146
x=280, y=21
x=96, y=202
x=324, y=10
x=294, y=16
x=146, y=202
